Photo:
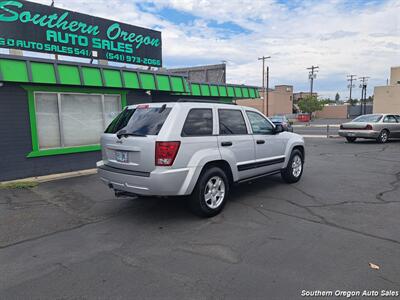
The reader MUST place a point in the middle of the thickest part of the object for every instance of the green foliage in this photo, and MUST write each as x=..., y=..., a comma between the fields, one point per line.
x=327, y=101
x=353, y=102
x=310, y=104
x=18, y=185
x=337, y=97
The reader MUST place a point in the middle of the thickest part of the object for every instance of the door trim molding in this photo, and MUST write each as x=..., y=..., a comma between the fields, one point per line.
x=261, y=163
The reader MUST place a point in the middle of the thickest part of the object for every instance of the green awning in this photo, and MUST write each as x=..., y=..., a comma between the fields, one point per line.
x=40, y=71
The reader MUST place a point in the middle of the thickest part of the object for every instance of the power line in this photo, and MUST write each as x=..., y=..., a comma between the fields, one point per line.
x=363, y=86
x=265, y=96
x=312, y=75
x=351, y=78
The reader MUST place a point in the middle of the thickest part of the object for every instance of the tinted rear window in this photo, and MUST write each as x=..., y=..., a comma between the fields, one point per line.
x=231, y=122
x=199, y=122
x=143, y=121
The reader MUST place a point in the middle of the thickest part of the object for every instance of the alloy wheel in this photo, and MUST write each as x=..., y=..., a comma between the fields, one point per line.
x=297, y=166
x=214, y=192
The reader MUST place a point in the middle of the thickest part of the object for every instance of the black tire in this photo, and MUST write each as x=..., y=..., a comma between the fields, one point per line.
x=288, y=174
x=350, y=139
x=198, y=202
x=383, y=136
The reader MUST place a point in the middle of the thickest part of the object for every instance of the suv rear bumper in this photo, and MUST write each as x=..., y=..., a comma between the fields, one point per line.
x=160, y=182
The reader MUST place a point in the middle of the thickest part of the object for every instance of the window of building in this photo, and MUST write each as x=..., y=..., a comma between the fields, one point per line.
x=259, y=124
x=231, y=122
x=199, y=122
x=71, y=119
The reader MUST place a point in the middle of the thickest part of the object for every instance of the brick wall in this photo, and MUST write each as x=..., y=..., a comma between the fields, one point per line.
x=280, y=101
x=332, y=112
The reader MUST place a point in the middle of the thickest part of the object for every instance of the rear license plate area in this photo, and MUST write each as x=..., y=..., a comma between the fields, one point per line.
x=121, y=156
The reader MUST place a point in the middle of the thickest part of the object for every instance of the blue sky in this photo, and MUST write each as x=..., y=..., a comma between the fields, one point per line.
x=341, y=36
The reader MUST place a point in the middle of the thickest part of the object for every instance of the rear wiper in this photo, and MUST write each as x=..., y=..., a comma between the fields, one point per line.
x=122, y=133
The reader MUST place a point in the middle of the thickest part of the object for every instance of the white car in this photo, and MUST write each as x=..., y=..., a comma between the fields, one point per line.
x=198, y=149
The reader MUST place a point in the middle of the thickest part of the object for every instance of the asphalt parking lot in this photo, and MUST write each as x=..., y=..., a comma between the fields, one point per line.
x=71, y=239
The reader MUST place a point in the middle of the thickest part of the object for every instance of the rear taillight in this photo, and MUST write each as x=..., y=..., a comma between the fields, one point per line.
x=166, y=153
x=368, y=127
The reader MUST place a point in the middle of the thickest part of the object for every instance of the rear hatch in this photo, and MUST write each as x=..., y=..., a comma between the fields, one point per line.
x=129, y=141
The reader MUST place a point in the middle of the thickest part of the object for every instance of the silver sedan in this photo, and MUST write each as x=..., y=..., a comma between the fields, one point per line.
x=380, y=127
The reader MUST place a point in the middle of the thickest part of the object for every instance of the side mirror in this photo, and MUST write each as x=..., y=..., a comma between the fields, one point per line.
x=278, y=128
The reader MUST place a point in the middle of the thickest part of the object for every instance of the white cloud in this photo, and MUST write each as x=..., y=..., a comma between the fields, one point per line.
x=364, y=40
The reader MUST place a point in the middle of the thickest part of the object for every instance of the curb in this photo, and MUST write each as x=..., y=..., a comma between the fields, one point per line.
x=52, y=177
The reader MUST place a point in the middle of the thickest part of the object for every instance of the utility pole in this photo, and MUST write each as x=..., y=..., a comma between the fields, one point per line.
x=312, y=75
x=265, y=104
x=351, y=85
x=363, y=86
x=267, y=113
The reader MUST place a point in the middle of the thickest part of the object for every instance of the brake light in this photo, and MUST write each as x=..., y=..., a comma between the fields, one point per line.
x=142, y=106
x=166, y=153
x=368, y=127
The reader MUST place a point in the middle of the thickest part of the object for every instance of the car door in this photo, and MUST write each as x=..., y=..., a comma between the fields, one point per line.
x=392, y=124
x=397, y=126
x=269, y=147
x=235, y=142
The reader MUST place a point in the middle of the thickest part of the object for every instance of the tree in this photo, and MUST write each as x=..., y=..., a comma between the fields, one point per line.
x=353, y=102
x=310, y=104
x=327, y=101
x=337, y=97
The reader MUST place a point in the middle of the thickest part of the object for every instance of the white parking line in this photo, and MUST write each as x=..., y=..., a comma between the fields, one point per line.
x=316, y=126
x=318, y=136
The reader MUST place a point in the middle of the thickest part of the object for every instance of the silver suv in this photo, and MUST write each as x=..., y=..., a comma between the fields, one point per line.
x=197, y=149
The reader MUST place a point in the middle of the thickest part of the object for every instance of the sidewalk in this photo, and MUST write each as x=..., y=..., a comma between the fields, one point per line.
x=323, y=122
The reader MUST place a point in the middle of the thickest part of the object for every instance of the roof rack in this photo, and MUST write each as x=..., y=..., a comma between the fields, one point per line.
x=203, y=101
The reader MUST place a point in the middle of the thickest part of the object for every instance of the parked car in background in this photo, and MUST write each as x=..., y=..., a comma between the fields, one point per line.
x=380, y=127
x=195, y=149
x=283, y=121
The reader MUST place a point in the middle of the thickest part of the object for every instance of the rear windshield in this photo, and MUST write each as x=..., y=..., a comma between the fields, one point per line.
x=368, y=118
x=143, y=121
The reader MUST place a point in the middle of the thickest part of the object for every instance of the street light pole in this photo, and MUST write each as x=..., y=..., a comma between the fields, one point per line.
x=265, y=105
